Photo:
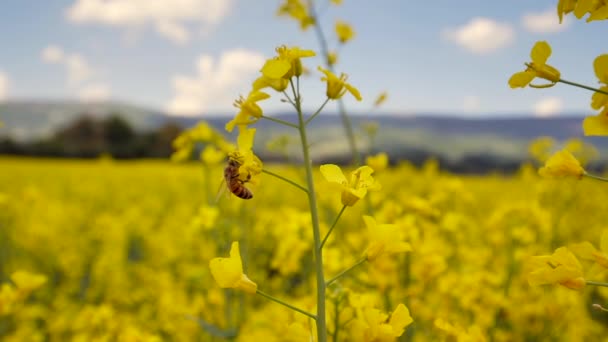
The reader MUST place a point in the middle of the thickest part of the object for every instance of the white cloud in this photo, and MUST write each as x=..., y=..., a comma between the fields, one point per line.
x=548, y=106
x=78, y=69
x=216, y=84
x=481, y=35
x=544, y=22
x=173, y=31
x=52, y=54
x=94, y=92
x=3, y=86
x=167, y=16
x=471, y=104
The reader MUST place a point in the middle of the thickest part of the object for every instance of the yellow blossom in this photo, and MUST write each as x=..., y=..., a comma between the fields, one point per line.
x=540, y=148
x=381, y=99
x=297, y=10
x=344, y=31
x=372, y=325
x=8, y=297
x=587, y=251
x=26, y=282
x=361, y=181
x=287, y=64
x=537, y=68
x=250, y=164
x=332, y=58
x=565, y=7
x=278, y=84
x=598, y=124
x=378, y=162
x=228, y=272
x=562, y=164
x=250, y=112
x=383, y=239
x=212, y=155
x=337, y=86
x=561, y=268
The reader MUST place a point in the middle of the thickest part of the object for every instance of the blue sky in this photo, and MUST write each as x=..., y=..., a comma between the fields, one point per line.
x=197, y=56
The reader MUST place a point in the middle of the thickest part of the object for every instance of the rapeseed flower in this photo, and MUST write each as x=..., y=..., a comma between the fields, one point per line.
x=561, y=268
x=378, y=162
x=372, y=325
x=287, y=64
x=337, y=86
x=249, y=111
x=383, y=239
x=228, y=272
x=250, y=164
x=587, y=251
x=537, y=68
x=360, y=182
x=562, y=164
x=297, y=10
x=598, y=124
x=344, y=32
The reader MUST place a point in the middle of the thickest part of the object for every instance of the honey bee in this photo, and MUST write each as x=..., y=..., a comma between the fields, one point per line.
x=234, y=183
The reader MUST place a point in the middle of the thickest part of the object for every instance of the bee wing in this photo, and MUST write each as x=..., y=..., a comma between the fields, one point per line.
x=221, y=190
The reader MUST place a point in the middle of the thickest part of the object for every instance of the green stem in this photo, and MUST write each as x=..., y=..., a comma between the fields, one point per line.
x=282, y=122
x=350, y=135
x=285, y=180
x=595, y=177
x=263, y=294
x=596, y=283
x=332, y=227
x=584, y=87
x=312, y=202
x=317, y=112
x=339, y=275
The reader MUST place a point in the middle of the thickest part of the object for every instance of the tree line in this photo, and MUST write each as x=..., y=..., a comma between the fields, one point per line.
x=91, y=137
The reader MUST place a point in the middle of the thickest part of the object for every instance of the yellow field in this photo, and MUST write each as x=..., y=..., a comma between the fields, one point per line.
x=125, y=249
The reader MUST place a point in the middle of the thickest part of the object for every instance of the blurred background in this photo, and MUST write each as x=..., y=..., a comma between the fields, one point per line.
x=84, y=78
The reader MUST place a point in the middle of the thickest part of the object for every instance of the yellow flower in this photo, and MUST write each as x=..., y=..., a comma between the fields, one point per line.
x=371, y=325
x=361, y=180
x=250, y=112
x=587, y=251
x=598, y=124
x=298, y=11
x=250, y=164
x=212, y=155
x=228, y=272
x=337, y=86
x=332, y=58
x=278, y=84
x=538, y=68
x=540, y=148
x=344, y=32
x=562, y=164
x=561, y=268
x=8, y=297
x=381, y=99
x=27, y=282
x=565, y=7
x=383, y=239
x=287, y=64
x=378, y=162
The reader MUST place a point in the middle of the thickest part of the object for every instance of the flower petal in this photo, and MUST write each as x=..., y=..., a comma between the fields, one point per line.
x=521, y=79
x=332, y=173
x=540, y=52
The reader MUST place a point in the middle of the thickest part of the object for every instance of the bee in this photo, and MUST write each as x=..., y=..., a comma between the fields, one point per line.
x=234, y=183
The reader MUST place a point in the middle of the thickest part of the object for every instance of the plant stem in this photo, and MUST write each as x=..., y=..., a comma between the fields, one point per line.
x=596, y=283
x=595, y=177
x=263, y=294
x=312, y=202
x=285, y=180
x=332, y=226
x=317, y=112
x=339, y=275
x=584, y=87
x=350, y=135
x=282, y=122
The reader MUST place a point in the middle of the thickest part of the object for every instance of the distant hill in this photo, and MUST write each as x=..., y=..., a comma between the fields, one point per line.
x=418, y=136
